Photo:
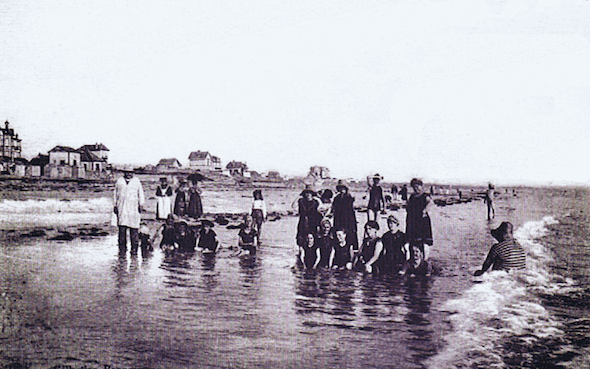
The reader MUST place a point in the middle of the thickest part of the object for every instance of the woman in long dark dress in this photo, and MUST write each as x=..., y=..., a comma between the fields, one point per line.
x=309, y=217
x=344, y=216
x=182, y=199
x=195, y=206
x=418, y=226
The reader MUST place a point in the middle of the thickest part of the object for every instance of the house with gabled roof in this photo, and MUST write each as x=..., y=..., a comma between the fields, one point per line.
x=97, y=149
x=203, y=160
x=166, y=165
x=64, y=162
x=236, y=168
x=92, y=163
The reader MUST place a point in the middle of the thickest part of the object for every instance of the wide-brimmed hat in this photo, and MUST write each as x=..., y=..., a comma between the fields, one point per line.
x=377, y=176
x=127, y=168
x=341, y=184
x=306, y=191
x=206, y=222
x=504, y=227
x=163, y=179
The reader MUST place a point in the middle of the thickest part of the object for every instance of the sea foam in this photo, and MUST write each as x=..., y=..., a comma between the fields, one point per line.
x=494, y=320
x=102, y=204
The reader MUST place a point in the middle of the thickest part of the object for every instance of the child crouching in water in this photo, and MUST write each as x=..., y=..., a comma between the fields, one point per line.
x=248, y=236
x=370, y=251
x=342, y=252
x=208, y=242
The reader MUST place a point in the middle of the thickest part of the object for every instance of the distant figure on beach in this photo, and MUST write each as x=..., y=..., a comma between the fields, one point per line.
x=344, y=215
x=342, y=252
x=208, y=242
x=309, y=252
x=258, y=211
x=128, y=199
x=394, y=191
x=418, y=225
x=370, y=251
x=507, y=254
x=195, y=205
x=248, y=236
x=489, y=200
x=394, y=246
x=182, y=199
x=404, y=192
x=309, y=217
x=325, y=242
x=376, y=201
x=164, y=199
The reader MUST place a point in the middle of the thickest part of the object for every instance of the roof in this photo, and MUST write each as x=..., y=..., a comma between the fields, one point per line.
x=236, y=165
x=62, y=149
x=40, y=160
x=198, y=155
x=87, y=156
x=170, y=161
x=95, y=147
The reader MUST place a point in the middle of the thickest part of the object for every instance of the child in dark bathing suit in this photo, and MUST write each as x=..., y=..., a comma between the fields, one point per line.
x=208, y=242
x=248, y=236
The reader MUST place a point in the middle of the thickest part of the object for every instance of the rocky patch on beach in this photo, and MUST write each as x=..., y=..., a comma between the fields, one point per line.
x=59, y=234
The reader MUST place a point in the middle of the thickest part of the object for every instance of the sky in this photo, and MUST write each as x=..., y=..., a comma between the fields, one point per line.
x=448, y=91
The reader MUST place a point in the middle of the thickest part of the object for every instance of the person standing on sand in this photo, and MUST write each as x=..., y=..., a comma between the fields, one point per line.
x=376, y=202
x=164, y=197
x=418, y=225
x=195, y=205
x=182, y=199
x=129, y=200
x=489, y=200
x=507, y=254
x=344, y=215
x=404, y=192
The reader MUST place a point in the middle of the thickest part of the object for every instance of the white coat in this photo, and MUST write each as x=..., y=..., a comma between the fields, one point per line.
x=128, y=198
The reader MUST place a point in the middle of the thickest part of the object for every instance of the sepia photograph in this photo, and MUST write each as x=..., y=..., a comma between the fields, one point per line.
x=294, y=184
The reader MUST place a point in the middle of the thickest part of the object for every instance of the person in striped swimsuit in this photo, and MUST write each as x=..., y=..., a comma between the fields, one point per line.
x=507, y=254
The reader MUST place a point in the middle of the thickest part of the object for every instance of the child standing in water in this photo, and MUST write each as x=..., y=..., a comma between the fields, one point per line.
x=258, y=212
x=394, y=243
x=418, y=226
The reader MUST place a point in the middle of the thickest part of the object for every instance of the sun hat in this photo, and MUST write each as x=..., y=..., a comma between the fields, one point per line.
x=340, y=185
x=127, y=168
x=504, y=227
x=416, y=181
x=206, y=222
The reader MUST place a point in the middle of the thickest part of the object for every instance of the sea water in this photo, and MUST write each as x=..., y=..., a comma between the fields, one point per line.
x=79, y=304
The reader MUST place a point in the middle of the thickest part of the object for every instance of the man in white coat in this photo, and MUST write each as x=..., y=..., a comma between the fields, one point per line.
x=128, y=201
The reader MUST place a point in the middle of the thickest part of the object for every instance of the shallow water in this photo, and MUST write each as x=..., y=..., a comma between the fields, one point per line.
x=78, y=303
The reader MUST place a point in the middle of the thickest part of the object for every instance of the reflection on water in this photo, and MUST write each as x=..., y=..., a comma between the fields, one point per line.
x=81, y=304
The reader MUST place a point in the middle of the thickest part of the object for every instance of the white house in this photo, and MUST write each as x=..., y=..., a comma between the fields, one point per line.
x=64, y=162
x=203, y=160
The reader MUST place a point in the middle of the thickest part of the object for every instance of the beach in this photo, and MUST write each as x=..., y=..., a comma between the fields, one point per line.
x=74, y=302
